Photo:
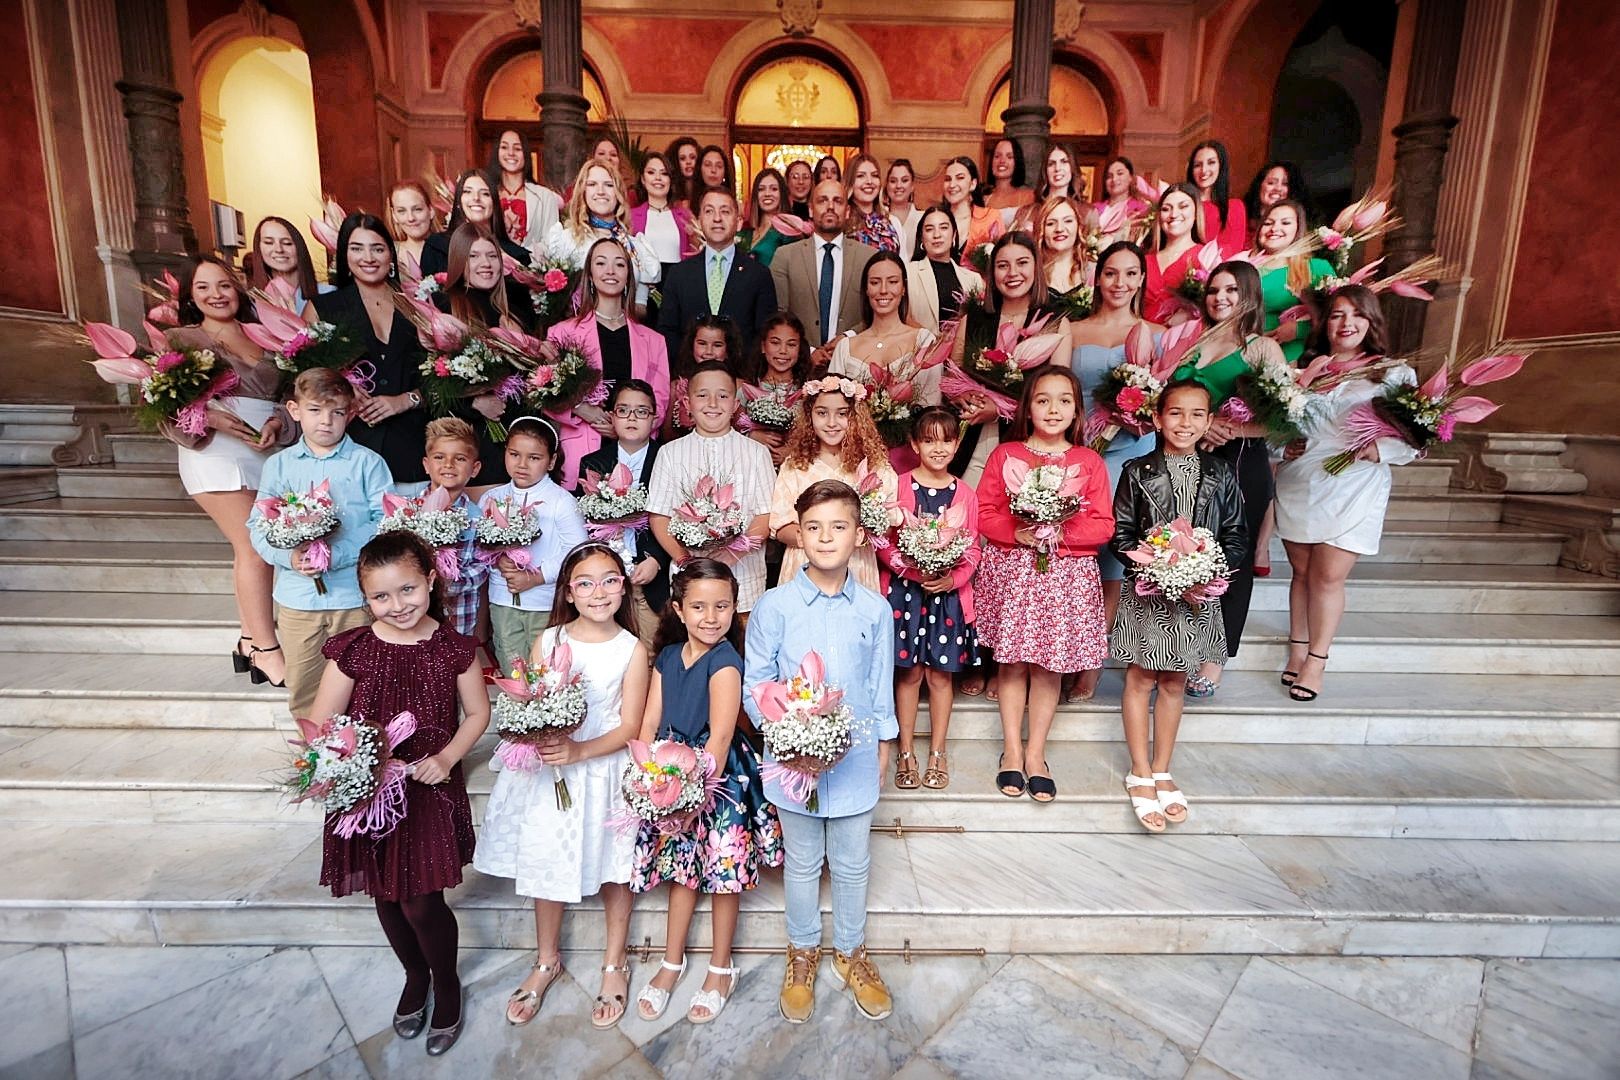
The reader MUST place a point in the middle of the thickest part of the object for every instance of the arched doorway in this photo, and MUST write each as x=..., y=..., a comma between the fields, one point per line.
x=1083, y=118
x=510, y=101
x=794, y=107
x=259, y=144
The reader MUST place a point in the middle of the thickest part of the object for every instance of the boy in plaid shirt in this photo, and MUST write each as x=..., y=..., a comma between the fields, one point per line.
x=451, y=463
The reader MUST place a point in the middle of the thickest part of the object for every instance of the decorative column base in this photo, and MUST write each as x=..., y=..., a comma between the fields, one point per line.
x=562, y=128
x=1029, y=124
x=163, y=233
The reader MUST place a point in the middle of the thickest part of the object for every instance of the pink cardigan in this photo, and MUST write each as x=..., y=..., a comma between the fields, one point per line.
x=962, y=576
x=683, y=222
x=649, y=360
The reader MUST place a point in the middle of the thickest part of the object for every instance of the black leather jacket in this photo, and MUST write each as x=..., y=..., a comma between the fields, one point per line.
x=1144, y=500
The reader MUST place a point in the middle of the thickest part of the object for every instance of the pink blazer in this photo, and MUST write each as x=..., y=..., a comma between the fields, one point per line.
x=649, y=360
x=962, y=576
x=683, y=222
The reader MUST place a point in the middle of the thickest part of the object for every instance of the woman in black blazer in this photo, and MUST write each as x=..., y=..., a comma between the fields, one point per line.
x=475, y=202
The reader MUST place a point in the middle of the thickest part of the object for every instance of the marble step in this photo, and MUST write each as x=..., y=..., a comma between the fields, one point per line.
x=1429, y=474
x=109, y=521
x=22, y=485
x=122, y=482
x=35, y=451
x=201, y=692
x=234, y=884
x=132, y=567
x=32, y=412
x=1460, y=542
x=78, y=774
x=142, y=450
x=1460, y=587
x=1444, y=506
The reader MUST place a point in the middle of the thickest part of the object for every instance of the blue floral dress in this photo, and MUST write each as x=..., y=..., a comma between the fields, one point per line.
x=930, y=628
x=731, y=843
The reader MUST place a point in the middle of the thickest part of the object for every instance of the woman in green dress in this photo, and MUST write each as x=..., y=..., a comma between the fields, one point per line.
x=1232, y=348
x=1286, y=280
x=768, y=199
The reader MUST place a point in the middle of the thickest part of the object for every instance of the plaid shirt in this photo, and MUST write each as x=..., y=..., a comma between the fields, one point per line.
x=464, y=597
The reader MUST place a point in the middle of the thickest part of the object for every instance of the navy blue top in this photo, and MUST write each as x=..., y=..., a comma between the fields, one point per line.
x=686, y=691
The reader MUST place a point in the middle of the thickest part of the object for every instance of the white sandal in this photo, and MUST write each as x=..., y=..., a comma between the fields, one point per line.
x=713, y=1000
x=656, y=997
x=1167, y=799
x=1142, y=805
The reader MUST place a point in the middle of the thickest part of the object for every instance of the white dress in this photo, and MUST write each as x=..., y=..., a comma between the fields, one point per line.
x=566, y=855
x=225, y=463
x=1347, y=510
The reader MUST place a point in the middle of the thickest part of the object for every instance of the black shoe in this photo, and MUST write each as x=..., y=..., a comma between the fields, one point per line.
x=1009, y=778
x=440, y=1040
x=1042, y=788
x=258, y=677
x=239, y=659
x=410, y=1025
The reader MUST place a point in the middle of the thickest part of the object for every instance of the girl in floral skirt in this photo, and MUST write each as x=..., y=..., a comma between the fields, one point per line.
x=1040, y=607
x=694, y=699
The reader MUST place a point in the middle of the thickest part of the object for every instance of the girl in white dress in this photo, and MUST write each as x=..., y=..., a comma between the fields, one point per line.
x=1326, y=522
x=560, y=856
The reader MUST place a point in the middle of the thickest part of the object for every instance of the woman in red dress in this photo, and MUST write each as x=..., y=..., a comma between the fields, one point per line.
x=1225, y=219
x=1177, y=235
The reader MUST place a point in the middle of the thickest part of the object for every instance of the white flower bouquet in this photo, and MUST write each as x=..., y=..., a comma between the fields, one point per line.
x=807, y=729
x=347, y=764
x=1044, y=496
x=711, y=518
x=293, y=519
x=435, y=520
x=539, y=704
x=1180, y=562
x=507, y=527
x=934, y=544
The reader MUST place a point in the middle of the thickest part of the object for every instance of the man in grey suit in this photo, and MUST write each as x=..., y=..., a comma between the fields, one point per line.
x=820, y=282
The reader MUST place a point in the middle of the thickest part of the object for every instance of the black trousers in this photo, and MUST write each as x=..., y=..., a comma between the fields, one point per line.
x=1252, y=462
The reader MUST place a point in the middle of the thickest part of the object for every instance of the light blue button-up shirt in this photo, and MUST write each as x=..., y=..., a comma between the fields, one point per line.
x=853, y=631
x=358, y=479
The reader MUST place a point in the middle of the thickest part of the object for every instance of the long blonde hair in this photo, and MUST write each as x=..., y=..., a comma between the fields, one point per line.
x=578, y=218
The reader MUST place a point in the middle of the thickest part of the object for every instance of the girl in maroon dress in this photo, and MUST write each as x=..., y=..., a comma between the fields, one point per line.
x=410, y=660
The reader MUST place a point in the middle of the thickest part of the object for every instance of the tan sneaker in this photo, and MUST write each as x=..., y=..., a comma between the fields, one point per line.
x=798, y=1001
x=857, y=970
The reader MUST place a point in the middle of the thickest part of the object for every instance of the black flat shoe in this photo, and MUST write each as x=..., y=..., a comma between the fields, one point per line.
x=1009, y=778
x=410, y=1025
x=1042, y=789
x=440, y=1040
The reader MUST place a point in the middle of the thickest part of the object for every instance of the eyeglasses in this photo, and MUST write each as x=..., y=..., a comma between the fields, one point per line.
x=612, y=584
x=626, y=412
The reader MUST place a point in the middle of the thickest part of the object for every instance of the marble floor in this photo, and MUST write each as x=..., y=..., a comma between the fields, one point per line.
x=250, y=1012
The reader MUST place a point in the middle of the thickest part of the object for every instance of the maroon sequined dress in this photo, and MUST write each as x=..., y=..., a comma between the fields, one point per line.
x=427, y=849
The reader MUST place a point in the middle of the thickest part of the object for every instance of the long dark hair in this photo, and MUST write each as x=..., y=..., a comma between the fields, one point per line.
x=494, y=167
x=1297, y=190
x=342, y=275
x=1037, y=290
x=562, y=609
x=538, y=428
x=497, y=220
x=190, y=313
x=918, y=253
x=783, y=206
x=1365, y=302
x=1251, y=306
x=1222, y=191
x=259, y=274
x=866, y=301
x=1141, y=258
x=686, y=364
x=669, y=170
x=699, y=185
x=1019, y=174
x=975, y=191
x=679, y=187
x=460, y=292
x=671, y=630
x=801, y=367
x=1043, y=190
x=399, y=545
x=1023, y=427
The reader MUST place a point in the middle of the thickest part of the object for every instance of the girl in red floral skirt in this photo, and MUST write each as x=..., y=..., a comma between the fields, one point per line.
x=1044, y=509
x=410, y=660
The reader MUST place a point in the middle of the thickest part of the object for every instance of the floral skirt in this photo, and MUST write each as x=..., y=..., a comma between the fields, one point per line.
x=726, y=848
x=1052, y=618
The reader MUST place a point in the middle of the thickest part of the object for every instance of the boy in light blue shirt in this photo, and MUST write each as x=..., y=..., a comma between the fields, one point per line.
x=823, y=608
x=323, y=404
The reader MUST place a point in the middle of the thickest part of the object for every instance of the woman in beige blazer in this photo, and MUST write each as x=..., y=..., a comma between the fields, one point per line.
x=935, y=264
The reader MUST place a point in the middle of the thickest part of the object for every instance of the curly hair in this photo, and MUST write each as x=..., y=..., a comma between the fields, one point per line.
x=861, y=443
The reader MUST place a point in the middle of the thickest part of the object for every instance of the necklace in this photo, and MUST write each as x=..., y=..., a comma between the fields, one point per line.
x=611, y=322
x=511, y=193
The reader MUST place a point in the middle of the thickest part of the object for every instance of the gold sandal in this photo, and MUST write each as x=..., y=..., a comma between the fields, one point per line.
x=905, y=770
x=521, y=998
x=937, y=776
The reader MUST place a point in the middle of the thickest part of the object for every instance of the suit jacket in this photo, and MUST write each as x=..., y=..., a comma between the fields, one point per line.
x=602, y=461
x=798, y=285
x=749, y=299
x=922, y=291
x=648, y=361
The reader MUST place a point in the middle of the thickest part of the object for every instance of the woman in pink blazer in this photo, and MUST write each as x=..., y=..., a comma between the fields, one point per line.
x=615, y=344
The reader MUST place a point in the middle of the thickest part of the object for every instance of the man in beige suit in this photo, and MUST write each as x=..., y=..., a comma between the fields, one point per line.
x=820, y=281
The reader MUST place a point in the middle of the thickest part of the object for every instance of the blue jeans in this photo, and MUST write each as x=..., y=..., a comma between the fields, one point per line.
x=844, y=843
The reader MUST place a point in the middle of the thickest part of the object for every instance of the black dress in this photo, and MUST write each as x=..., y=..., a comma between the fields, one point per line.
x=397, y=363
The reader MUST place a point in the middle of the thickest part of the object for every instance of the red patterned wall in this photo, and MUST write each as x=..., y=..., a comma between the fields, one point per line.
x=666, y=56
x=929, y=63
x=30, y=240
x=1566, y=274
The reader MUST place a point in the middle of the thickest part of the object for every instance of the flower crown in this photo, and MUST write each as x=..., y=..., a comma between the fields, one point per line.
x=834, y=384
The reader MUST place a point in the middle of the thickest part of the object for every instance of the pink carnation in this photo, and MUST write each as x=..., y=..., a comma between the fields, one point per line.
x=542, y=375
x=1331, y=239
x=1130, y=399
x=169, y=361
x=555, y=281
x=441, y=367
x=1446, y=428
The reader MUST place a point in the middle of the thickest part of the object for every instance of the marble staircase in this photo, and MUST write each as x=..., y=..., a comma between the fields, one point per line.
x=1455, y=791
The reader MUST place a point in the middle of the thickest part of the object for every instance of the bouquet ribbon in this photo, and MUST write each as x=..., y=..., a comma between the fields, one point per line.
x=318, y=557
x=447, y=561
x=362, y=375
x=522, y=756
x=608, y=530
x=193, y=418
x=386, y=807
x=797, y=786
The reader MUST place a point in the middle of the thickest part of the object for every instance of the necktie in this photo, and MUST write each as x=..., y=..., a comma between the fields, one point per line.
x=717, y=281
x=826, y=291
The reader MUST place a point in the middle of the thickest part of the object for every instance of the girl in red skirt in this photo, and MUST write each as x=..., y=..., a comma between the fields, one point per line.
x=410, y=660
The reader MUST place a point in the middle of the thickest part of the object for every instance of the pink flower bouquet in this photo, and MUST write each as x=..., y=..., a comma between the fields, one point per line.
x=347, y=764
x=1044, y=497
x=435, y=520
x=807, y=729
x=294, y=519
x=712, y=519
x=1180, y=563
x=176, y=385
x=668, y=783
x=539, y=704
x=507, y=527
x=612, y=503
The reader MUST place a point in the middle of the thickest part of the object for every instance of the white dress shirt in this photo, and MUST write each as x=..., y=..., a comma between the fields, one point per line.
x=830, y=331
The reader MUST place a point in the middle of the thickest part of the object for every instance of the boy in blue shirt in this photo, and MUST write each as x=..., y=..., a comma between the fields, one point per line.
x=823, y=608
x=323, y=404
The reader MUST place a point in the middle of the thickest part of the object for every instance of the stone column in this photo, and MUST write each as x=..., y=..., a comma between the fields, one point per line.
x=1421, y=140
x=1028, y=117
x=163, y=233
x=562, y=100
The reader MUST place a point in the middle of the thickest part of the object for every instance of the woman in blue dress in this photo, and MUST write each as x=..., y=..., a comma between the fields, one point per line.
x=1099, y=347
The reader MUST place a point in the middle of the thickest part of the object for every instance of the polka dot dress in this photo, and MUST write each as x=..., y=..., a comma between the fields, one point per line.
x=929, y=627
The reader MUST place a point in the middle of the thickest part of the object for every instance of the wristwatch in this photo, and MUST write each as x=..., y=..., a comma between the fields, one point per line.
x=414, y=398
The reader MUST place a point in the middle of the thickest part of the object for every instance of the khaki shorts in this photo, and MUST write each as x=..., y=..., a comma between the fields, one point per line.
x=302, y=633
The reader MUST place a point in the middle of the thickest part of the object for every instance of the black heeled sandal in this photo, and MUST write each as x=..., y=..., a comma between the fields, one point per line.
x=239, y=659
x=1305, y=693
x=1288, y=677
x=258, y=677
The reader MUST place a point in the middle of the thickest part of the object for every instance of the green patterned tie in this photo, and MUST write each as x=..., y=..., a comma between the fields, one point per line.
x=717, y=281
